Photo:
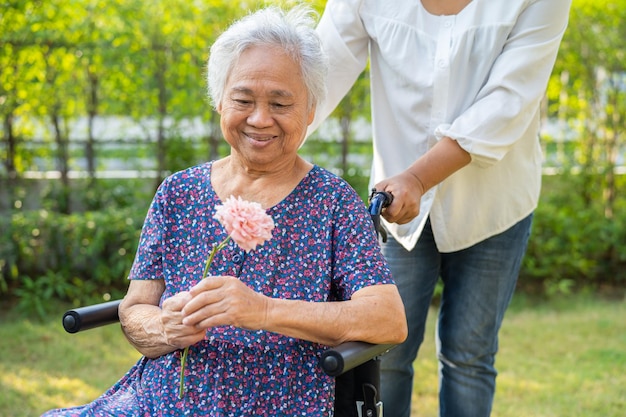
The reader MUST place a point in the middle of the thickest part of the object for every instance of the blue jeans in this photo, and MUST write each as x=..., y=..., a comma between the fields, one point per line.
x=478, y=284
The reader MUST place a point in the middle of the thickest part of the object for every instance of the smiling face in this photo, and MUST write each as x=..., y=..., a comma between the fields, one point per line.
x=264, y=111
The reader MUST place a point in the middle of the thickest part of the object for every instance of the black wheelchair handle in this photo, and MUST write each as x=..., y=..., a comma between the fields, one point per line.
x=89, y=317
x=349, y=355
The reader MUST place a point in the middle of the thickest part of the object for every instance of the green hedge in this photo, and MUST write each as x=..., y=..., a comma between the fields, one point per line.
x=81, y=258
x=574, y=245
x=85, y=257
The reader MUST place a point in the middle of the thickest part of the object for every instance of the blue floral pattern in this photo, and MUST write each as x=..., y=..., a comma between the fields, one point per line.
x=323, y=248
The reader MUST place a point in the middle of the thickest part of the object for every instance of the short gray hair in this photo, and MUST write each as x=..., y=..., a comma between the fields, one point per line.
x=292, y=30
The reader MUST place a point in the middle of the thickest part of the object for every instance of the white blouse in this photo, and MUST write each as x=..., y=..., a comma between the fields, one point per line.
x=477, y=77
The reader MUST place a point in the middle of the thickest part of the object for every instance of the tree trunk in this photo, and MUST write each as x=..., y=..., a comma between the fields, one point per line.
x=161, y=70
x=62, y=163
x=8, y=192
x=613, y=123
x=345, y=123
x=10, y=139
x=92, y=112
x=215, y=136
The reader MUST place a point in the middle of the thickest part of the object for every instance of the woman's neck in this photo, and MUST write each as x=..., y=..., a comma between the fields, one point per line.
x=267, y=188
x=444, y=7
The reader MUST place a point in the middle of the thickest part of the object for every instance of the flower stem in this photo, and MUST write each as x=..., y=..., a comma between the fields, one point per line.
x=183, y=358
x=215, y=249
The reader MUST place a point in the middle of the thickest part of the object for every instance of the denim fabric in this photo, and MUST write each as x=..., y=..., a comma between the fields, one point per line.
x=478, y=284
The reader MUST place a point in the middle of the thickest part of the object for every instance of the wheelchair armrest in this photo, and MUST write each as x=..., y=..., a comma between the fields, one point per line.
x=334, y=361
x=348, y=355
x=88, y=317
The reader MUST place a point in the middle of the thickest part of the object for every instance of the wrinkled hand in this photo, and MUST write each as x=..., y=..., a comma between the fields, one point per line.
x=225, y=300
x=175, y=332
x=407, y=192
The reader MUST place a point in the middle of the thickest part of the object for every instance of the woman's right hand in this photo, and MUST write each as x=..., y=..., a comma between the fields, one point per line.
x=155, y=331
x=408, y=187
x=407, y=191
x=174, y=331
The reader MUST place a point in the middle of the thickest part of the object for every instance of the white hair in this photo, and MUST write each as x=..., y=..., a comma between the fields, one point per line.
x=292, y=30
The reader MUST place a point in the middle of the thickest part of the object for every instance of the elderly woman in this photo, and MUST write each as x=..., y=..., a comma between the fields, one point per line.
x=256, y=326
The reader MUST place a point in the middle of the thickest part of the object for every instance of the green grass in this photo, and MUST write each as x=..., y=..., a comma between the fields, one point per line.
x=564, y=357
x=43, y=367
x=558, y=358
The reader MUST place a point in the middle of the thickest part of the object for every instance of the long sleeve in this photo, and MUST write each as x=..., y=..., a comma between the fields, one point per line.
x=346, y=43
x=506, y=105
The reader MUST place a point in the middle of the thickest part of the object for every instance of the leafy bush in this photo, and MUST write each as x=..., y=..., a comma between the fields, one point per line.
x=573, y=244
x=85, y=257
x=79, y=258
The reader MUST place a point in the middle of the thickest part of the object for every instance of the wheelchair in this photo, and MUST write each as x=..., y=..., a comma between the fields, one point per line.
x=355, y=365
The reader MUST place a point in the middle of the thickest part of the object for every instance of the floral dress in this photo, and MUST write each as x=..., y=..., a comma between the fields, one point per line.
x=323, y=248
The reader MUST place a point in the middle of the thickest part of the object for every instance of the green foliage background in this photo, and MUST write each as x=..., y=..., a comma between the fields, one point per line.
x=74, y=239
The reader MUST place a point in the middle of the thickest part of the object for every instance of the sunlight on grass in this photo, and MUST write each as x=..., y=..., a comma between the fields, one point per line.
x=514, y=383
x=39, y=387
x=563, y=357
x=425, y=401
x=49, y=368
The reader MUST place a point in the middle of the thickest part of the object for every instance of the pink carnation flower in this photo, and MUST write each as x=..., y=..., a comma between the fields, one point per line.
x=246, y=222
x=248, y=225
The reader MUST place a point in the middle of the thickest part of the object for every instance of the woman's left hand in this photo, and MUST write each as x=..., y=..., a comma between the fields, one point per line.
x=225, y=300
